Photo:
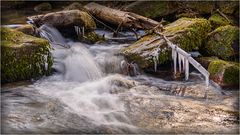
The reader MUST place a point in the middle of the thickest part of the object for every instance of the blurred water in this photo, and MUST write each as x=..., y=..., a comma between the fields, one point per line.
x=87, y=94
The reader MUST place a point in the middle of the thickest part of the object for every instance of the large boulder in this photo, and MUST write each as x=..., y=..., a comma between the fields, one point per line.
x=23, y=56
x=152, y=9
x=74, y=6
x=188, y=33
x=43, y=7
x=224, y=73
x=27, y=29
x=65, y=18
x=223, y=42
x=202, y=7
x=217, y=20
x=228, y=7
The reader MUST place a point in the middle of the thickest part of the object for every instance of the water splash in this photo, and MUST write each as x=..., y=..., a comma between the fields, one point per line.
x=76, y=63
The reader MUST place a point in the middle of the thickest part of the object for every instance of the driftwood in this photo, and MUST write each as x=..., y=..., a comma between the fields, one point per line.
x=117, y=17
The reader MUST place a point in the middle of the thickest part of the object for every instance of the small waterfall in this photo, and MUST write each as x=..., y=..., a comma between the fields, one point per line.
x=72, y=59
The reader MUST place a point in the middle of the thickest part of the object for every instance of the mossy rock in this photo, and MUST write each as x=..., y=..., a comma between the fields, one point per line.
x=27, y=29
x=224, y=73
x=228, y=7
x=43, y=7
x=205, y=61
x=217, y=20
x=23, y=56
x=202, y=7
x=91, y=37
x=152, y=9
x=223, y=42
x=74, y=5
x=188, y=33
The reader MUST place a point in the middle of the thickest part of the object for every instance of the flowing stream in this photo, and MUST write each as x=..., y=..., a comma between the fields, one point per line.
x=87, y=94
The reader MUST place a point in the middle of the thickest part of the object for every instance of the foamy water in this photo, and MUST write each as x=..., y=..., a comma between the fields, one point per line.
x=87, y=94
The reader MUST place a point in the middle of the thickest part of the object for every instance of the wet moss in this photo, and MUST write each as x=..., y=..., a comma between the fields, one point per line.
x=188, y=33
x=92, y=37
x=223, y=41
x=224, y=72
x=23, y=57
x=152, y=9
x=218, y=20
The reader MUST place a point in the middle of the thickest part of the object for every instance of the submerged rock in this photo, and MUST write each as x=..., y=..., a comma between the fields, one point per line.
x=224, y=73
x=223, y=42
x=188, y=33
x=43, y=7
x=23, y=56
x=65, y=18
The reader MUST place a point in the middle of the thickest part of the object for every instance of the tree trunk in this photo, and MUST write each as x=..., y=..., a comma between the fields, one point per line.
x=117, y=17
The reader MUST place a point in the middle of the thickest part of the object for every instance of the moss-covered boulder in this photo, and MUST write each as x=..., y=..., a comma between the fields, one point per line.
x=73, y=6
x=152, y=9
x=188, y=33
x=43, y=7
x=23, y=56
x=228, y=7
x=205, y=61
x=27, y=29
x=217, y=20
x=223, y=42
x=224, y=73
x=202, y=7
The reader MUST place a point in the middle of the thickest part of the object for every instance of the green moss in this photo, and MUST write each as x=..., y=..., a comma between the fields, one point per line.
x=220, y=42
x=231, y=74
x=152, y=9
x=228, y=7
x=188, y=33
x=92, y=37
x=23, y=56
x=192, y=32
x=218, y=20
x=224, y=72
x=203, y=7
x=89, y=23
x=216, y=66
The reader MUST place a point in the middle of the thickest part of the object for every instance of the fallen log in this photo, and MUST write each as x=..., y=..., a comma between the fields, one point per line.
x=117, y=17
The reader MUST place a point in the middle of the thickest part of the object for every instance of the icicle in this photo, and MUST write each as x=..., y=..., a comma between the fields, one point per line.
x=186, y=69
x=207, y=80
x=83, y=31
x=155, y=56
x=179, y=62
x=155, y=64
x=174, y=57
x=183, y=62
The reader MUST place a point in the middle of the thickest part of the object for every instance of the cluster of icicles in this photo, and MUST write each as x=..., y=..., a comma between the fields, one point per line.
x=183, y=63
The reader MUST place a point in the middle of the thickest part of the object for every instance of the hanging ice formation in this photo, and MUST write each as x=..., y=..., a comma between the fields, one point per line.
x=79, y=31
x=155, y=57
x=183, y=63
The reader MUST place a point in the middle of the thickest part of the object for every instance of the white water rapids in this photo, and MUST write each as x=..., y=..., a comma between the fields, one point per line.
x=87, y=94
